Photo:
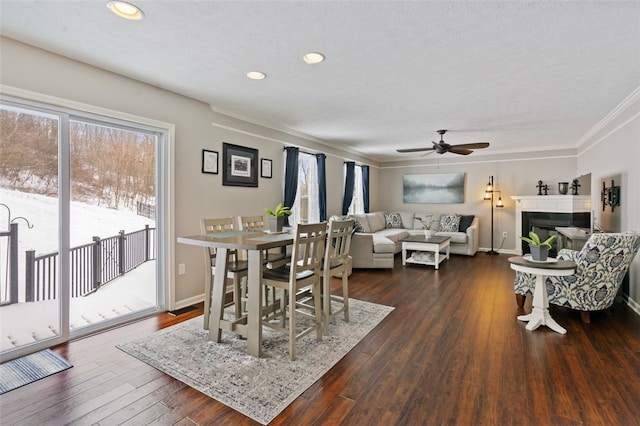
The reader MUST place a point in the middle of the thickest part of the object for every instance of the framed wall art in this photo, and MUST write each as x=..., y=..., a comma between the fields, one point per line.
x=240, y=165
x=441, y=188
x=209, y=161
x=265, y=169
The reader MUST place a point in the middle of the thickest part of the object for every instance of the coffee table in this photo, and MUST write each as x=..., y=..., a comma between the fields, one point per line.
x=420, y=243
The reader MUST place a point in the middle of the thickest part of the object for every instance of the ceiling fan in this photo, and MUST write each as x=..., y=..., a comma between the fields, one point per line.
x=442, y=147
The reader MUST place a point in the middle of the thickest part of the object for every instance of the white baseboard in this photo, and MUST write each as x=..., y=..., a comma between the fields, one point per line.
x=188, y=302
x=635, y=306
x=501, y=251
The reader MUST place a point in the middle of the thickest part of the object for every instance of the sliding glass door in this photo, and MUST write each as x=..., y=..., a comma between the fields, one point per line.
x=78, y=224
x=30, y=309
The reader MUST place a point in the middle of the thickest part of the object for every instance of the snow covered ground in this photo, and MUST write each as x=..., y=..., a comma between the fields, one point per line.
x=25, y=322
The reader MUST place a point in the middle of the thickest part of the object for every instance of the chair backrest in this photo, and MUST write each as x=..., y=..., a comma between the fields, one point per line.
x=253, y=223
x=308, y=248
x=610, y=255
x=338, y=241
x=216, y=226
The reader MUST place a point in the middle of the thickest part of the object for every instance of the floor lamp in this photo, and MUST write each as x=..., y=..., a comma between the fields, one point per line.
x=488, y=195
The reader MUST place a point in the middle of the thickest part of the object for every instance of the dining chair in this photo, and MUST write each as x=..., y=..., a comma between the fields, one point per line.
x=336, y=264
x=258, y=223
x=237, y=270
x=303, y=272
x=272, y=258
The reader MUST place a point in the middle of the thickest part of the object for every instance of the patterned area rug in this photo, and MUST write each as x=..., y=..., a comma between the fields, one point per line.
x=29, y=368
x=258, y=388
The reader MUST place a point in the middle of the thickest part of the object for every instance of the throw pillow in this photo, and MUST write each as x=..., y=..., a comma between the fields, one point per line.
x=465, y=222
x=392, y=220
x=449, y=222
x=357, y=226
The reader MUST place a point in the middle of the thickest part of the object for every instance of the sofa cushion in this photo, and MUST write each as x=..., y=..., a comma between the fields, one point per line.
x=456, y=237
x=376, y=221
x=383, y=244
x=465, y=222
x=407, y=219
x=435, y=221
x=392, y=220
x=362, y=220
x=394, y=234
x=449, y=222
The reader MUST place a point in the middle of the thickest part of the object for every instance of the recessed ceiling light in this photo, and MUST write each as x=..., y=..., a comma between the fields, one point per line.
x=313, y=57
x=256, y=75
x=125, y=10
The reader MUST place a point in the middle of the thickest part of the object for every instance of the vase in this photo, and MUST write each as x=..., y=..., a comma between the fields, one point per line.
x=539, y=252
x=428, y=233
x=276, y=223
x=563, y=187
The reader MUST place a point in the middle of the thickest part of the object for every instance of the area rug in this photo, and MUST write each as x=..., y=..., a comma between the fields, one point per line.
x=259, y=388
x=30, y=368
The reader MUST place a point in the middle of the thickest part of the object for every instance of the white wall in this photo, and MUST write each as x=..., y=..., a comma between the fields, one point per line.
x=613, y=149
x=197, y=127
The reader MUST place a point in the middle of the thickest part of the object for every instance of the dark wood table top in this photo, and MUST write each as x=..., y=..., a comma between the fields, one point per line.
x=422, y=239
x=560, y=264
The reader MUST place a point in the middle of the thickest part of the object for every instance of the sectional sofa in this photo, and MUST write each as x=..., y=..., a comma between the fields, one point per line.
x=379, y=235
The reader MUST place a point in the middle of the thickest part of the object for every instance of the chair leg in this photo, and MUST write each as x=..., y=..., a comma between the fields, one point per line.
x=585, y=316
x=520, y=299
x=326, y=301
x=237, y=296
x=345, y=294
x=318, y=310
x=292, y=325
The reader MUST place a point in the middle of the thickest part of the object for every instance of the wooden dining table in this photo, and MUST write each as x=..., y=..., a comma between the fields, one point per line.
x=255, y=243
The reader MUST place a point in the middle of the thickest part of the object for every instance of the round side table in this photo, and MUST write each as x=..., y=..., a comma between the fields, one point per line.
x=540, y=313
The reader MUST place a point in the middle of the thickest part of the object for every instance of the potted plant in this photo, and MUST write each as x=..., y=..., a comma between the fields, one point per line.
x=426, y=224
x=277, y=217
x=539, y=249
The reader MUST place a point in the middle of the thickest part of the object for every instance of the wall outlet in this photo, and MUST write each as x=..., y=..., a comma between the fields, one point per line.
x=504, y=234
x=182, y=269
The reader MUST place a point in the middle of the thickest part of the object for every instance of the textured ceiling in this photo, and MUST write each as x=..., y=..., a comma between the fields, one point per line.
x=521, y=75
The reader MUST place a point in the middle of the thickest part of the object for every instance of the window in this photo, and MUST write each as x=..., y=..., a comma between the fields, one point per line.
x=357, y=202
x=306, y=207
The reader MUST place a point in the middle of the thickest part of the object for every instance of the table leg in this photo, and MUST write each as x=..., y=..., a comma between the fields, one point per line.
x=254, y=304
x=540, y=313
x=404, y=256
x=436, y=257
x=218, y=293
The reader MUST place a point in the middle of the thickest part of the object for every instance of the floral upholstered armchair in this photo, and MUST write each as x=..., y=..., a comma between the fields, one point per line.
x=602, y=264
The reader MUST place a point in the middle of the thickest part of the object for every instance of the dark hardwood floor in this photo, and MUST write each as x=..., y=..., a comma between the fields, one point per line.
x=452, y=352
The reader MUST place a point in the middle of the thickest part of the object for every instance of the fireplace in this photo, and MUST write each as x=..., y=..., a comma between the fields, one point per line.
x=542, y=213
x=544, y=224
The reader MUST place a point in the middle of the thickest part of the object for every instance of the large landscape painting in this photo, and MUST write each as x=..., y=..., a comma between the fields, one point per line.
x=443, y=188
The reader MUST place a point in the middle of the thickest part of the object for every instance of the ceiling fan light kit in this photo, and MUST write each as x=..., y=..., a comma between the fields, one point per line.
x=442, y=147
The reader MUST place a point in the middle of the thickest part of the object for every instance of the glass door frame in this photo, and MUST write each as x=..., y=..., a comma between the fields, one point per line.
x=68, y=110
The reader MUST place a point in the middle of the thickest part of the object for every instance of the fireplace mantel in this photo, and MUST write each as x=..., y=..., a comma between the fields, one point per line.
x=552, y=203
x=548, y=204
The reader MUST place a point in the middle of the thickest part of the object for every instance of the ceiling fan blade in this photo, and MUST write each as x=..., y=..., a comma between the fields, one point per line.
x=427, y=153
x=477, y=145
x=456, y=150
x=414, y=150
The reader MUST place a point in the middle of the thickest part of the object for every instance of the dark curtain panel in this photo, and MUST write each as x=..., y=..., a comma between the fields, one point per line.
x=348, y=186
x=291, y=176
x=365, y=187
x=322, y=186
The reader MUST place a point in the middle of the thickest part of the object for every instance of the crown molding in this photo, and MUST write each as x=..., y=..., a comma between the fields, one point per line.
x=608, y=119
